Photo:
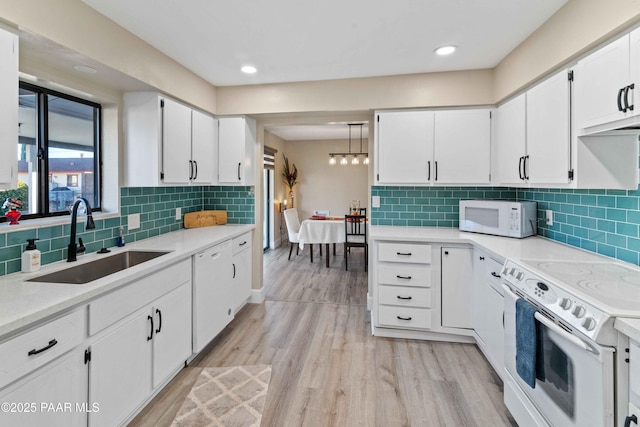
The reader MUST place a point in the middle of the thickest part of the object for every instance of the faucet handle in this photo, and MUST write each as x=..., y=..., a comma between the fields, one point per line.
x=81, y=247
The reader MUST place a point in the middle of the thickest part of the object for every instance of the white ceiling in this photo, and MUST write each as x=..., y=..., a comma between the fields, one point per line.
x=293, y=40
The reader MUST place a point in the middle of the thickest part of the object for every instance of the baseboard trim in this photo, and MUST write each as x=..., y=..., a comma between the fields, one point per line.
x=257, y=296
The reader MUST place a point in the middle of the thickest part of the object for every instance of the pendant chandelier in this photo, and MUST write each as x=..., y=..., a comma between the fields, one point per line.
x=344, y=157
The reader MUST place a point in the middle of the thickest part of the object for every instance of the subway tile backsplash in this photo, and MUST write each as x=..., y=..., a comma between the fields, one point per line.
x=156, y=206
x=602, y=221
x=428, y=206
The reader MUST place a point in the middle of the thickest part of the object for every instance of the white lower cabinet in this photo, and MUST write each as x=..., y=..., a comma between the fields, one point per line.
x=55, y=395
x=457, y=279
x=241, y=270
x=135, y=353
x=488, y=308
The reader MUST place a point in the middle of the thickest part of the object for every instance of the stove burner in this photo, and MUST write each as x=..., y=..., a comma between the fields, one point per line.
x=565, y=268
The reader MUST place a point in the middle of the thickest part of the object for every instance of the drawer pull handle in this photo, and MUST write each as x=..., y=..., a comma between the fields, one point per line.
x=404, y=253
x=401, y=297
x=494, y=274
x=404, y=318
x=47, y=347
x=630, y=419
x=403, y=277
x=243, y=243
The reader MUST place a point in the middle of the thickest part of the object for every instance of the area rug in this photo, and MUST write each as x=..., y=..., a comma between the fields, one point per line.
x=226, y=397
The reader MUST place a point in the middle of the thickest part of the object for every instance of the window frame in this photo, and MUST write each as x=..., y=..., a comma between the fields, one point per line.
x=42, y=142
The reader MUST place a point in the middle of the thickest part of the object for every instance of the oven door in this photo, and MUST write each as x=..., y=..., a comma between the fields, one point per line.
x=575, y=387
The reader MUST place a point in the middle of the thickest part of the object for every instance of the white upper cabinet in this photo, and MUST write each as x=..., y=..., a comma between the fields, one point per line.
x=549, y=131
x=509, y=144
x=8, y=109
x=404, y=147
x=433, y=147
x=462, y=149
x=204, y=145
x=533, y=135
x=606, y=86
x=176, y=142
x=236, y=150
x=166, y=142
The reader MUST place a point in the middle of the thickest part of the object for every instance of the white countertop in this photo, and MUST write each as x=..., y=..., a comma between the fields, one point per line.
x=533, y=247
x=22, y=303
x=629, y=327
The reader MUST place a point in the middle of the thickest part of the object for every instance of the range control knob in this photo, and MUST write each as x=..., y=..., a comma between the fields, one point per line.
x=565, y=303
x=579, y=311
x=589, y=323
x=520, y=275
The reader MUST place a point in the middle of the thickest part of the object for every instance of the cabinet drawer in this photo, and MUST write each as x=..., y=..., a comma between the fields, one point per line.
x=404, y=275
x=45, y=342
x=117, y=305
x=404, y=296
x=405, y=252
x=241, y=242
x=404, y=317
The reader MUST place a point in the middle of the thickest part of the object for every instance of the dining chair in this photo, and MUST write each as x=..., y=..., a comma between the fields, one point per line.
x=293, y=229
x=355, y=229
x=361, y=211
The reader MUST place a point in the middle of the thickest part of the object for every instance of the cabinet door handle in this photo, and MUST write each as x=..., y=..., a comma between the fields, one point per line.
x=435, y=163
x=404, y=253
x=45, y=348
x=494, y=274
x=429, y=170
x=195, y=175
x=403, y=318
x=159, y=313
x=626, y=96
x=239, y=164
x=405, y=298
x=620, y=101
x=446, y=252
x=525, y=168
x=190, y=170
x=630, y=419
x=520, y=167
x=403, y=277
x=481, y=258
x=150, y=337
x=234, y=270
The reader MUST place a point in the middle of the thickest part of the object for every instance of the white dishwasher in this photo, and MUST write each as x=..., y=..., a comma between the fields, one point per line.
x=213, y=293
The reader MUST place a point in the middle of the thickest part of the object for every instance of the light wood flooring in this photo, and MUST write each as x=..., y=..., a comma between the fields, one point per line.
x=328, y=370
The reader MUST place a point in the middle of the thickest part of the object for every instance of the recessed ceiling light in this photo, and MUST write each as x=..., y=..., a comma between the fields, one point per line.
x=445, y=50
x=248, y=69
x=85, y=69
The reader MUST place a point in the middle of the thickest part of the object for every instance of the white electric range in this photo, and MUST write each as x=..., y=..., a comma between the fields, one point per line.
x=577, y=303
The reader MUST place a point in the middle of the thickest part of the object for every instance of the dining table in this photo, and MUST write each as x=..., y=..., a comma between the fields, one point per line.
x=329, y=230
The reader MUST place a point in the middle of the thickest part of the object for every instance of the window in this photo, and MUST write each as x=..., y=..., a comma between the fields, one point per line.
x=58, y=153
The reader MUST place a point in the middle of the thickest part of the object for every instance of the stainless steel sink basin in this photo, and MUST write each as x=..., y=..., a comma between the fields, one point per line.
x=99, y=268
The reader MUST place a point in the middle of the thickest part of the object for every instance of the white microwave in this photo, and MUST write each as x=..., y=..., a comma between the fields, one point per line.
x=500, y=218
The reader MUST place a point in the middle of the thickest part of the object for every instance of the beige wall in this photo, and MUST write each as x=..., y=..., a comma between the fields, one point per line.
x=324, y=186
x=74, y=25
x=577, y=27
x=414, y=90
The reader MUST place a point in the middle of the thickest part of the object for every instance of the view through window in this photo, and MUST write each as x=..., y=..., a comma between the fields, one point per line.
x=58, y=153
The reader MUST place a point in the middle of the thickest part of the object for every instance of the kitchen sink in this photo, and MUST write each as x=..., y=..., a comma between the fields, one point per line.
x=99, y=268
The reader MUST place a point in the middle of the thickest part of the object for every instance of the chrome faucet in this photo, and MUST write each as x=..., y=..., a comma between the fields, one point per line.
x=74, y=249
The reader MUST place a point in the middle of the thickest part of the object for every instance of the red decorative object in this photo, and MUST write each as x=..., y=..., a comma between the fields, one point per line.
x=13, y=216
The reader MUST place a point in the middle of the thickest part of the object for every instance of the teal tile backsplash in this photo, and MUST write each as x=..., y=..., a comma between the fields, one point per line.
x=156, y=206
x=428, y=206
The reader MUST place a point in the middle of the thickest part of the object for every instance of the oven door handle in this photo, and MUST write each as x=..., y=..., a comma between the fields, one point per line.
x=555, y=328
x=564, y=334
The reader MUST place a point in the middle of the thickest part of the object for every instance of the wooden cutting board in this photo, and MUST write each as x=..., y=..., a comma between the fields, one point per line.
x=204, y=219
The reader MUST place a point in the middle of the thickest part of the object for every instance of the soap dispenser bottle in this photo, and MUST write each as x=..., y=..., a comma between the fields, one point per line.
x=31, y=257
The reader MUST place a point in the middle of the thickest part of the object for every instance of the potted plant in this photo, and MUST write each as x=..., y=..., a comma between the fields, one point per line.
x=290, y=175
